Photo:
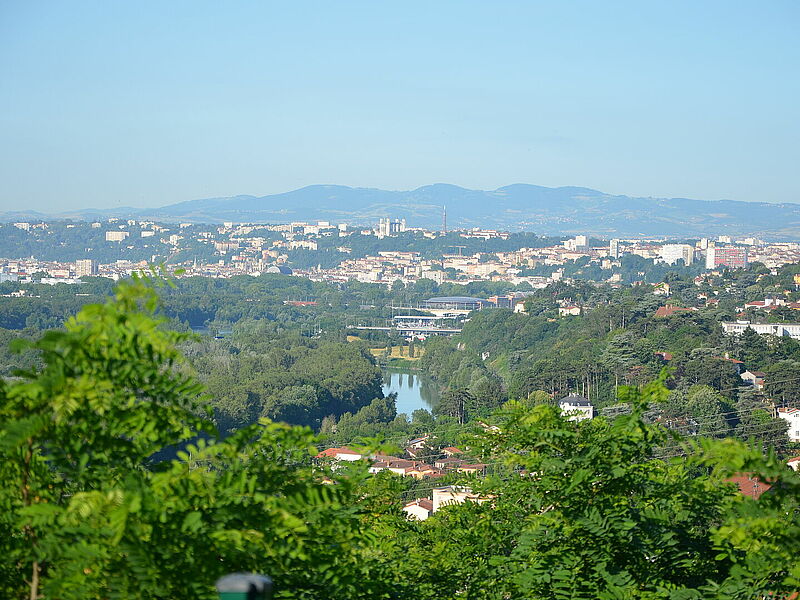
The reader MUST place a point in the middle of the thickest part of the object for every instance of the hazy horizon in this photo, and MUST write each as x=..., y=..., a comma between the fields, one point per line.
x=76, y=209
x=145, y=105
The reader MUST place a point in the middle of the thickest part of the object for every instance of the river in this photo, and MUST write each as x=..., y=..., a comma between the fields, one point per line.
x=413, y=390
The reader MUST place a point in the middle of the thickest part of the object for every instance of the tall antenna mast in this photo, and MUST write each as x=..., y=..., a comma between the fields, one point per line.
x=444, y=219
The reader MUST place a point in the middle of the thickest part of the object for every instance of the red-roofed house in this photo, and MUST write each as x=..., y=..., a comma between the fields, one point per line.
x=423, y=470
x=749, y=485
x=754, y=378
x=419, y=509
x=669, y=310
x=340, y=454
x=451, y=450
x=475, y=469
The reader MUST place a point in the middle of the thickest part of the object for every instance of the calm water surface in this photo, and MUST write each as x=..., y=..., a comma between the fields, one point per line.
x=413, y=390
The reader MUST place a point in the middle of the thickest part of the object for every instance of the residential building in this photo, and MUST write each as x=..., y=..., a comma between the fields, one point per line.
x=733, y=257
x=576, y=407
x=792, y=417
x=754, y=378
x=672, y=253
x=450, y=462
x=613, y=249
x=791, y=330
x=116, y=236
x=669, y=310
x=419, y=509
x=85, y=267
x=343, y=453
x=472, y=469
x=749, y=485
x=452, y=494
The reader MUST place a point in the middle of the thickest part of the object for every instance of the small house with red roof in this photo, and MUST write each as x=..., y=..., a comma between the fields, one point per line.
x=669, y=309
x=343, y=453
x=749, y=485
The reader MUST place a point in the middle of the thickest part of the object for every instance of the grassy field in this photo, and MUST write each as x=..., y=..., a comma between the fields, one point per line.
x=398, y=352
x=395, y=352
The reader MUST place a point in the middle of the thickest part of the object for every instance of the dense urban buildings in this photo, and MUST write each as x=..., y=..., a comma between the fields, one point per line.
x=249, y=248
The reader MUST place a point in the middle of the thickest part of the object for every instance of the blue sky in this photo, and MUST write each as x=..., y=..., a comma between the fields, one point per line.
x=148, y=103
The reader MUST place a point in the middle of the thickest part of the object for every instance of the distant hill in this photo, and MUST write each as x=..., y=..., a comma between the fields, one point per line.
x=568, y=210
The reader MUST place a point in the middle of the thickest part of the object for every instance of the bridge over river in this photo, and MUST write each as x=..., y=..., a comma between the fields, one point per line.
x=417, y=326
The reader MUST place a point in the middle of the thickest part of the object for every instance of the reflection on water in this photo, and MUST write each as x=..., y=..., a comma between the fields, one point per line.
x=413, y=390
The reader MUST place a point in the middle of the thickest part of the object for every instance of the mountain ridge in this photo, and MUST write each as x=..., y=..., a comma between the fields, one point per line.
x=517, y=206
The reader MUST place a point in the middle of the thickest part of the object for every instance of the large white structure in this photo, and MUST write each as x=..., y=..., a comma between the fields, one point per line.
x=387, y=227
x=580, y=243
x=672, y=253
x=791, y=330
x=576, y=407
x=116, y=236
x=792, y=417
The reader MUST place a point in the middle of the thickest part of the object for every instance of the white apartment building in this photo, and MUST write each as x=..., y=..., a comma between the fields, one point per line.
x=792, y=417
x=779, y=329
x=672, y=253
x=116, y=236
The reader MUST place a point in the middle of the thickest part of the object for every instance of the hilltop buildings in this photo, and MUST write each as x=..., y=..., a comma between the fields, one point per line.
x=236, y=249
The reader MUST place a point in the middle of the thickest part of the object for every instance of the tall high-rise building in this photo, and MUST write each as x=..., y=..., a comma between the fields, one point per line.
x=613, y=249
x=85, y=267
x=733, y=257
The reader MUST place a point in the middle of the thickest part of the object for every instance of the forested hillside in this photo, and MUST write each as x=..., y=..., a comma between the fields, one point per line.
x=619, y=340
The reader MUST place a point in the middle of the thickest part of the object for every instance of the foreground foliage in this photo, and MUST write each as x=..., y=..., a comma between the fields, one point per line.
x=584, y=511
x=112, y=486
x=86, y=512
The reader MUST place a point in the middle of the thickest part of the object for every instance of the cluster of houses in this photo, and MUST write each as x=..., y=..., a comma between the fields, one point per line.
x=418, y=463
x=453, y=460
x=446, y=460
